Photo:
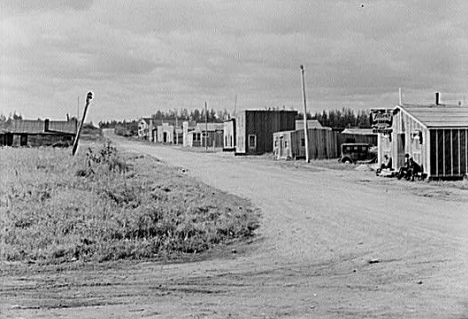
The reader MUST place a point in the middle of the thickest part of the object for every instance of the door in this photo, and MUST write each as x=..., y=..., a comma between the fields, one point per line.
x=401, y=147
x=24, y=140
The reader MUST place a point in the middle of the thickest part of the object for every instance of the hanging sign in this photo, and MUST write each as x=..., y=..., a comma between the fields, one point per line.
x=381, y=121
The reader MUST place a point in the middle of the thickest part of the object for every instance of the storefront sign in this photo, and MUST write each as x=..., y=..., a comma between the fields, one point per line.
x=381, y=121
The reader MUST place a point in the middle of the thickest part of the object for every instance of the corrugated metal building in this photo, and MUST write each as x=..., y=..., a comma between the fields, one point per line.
x=255, y=128
x=436, y=136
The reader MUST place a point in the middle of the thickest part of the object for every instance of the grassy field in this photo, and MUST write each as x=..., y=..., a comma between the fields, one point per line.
x=102, y=205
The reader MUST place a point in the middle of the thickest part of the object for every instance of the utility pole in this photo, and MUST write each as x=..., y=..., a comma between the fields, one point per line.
x=176, y=127
x=306, y=131
x=206, y=127
x=77, y=137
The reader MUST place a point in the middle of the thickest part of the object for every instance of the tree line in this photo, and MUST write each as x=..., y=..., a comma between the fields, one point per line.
x=344, y=118
x=336, y=119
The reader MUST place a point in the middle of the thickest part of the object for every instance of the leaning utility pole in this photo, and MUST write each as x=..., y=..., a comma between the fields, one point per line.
x=77, y=137
x=206, y=127
x=306, y=131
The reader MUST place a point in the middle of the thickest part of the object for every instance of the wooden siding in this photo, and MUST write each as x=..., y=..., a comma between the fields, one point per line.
x=449, y=153
x=405, y=140
x=443, y=152
x=36, y=140
x=323, y=144
x=241, y=139
x=260, y=125
x=229, y=132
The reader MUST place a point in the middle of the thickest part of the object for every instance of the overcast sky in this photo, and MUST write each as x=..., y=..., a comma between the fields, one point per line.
x=143, y=55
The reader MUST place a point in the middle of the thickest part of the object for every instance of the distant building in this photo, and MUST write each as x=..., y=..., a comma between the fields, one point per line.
x=38, y=133
x=255, y=128
x=210, y=134
x=323, y=144
x=146, y=129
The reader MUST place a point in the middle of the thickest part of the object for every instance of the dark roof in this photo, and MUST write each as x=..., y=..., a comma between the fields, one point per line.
x=39, y=126
x=438, y=116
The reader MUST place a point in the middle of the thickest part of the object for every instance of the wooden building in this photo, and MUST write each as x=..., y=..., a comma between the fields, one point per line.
x=435, y=136
x=255, y=128
x=36, y=133
x=210, y=134
x=229, y=133
x=323, y=144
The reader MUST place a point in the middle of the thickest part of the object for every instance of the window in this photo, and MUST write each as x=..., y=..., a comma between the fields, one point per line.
x=302, y=141
x=252, y=141
x=286, y=144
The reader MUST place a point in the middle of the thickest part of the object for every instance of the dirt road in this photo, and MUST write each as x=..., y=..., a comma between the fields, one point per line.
x=320, y=228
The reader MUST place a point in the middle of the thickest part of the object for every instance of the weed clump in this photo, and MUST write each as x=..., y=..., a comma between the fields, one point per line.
x=103, y=205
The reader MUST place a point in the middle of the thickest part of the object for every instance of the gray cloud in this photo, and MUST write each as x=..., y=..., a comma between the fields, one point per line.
x=148, y=54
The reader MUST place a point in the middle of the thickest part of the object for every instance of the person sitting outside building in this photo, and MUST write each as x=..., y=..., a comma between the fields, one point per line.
x=386, y=165
x=387, y=162
x=405, y=169
x=414, y=169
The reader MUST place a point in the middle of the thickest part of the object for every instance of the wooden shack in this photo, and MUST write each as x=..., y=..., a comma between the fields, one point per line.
x=255, y=128
x=436, y=136
x=323, y=144
x=209, y=134
x=39, y=133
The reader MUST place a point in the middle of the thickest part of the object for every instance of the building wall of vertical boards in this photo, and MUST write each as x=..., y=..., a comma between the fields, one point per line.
x=449, y=153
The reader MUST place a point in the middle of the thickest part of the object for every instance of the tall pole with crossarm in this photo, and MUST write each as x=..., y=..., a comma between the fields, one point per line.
x=78, y=133
x=306, y=135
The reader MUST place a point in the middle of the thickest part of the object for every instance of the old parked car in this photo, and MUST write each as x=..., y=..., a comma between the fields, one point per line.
x=358, y=152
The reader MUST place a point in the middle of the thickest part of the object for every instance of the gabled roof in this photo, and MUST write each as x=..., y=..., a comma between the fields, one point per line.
x=310, y=124
x=438, y=116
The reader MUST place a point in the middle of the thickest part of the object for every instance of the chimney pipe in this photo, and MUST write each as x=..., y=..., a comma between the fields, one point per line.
x=437, y=95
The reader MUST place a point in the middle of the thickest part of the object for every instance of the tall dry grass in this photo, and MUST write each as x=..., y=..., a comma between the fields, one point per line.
x=102, y=206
